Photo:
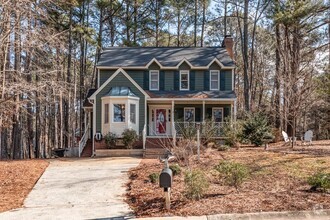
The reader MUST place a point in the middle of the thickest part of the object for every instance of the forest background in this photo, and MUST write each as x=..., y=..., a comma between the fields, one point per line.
x=48, y=51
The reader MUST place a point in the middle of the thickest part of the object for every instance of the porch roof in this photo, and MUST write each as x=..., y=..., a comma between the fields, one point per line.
x=193, y=94
x=86, y=102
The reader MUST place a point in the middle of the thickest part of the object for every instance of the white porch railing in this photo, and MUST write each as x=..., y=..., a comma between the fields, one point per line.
x=83, y=140
x=144, y=136
x=214, y=129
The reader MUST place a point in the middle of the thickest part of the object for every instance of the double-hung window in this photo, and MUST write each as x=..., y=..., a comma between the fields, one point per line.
x=154, y=80
x=214, y=79
x=184, y=80
x=119, y=112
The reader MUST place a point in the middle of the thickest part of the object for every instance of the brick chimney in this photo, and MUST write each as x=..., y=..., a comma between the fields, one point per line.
x=228, y=43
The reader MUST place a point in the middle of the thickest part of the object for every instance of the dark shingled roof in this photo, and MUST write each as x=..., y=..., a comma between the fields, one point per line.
x=192, y=94
x=86, y=102
x=166, y=56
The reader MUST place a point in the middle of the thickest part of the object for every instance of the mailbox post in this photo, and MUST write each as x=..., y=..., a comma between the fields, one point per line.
x=165, y=181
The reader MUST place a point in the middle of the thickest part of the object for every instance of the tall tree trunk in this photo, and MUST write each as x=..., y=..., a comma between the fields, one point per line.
x=195, y=24
x=203, y=22
x=245, y=56
x=277, y=81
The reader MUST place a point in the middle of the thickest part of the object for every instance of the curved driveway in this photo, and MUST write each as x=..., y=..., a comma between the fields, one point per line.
x=79, y=189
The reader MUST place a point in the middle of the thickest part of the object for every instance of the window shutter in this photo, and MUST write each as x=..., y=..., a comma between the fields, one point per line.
x=208, y=114
x=192, y=80
x=198, y=115
x=226, y=112
x=146, y=80
x=206, y=80
x=178, y=114
x=162, y=80
x=222, y=81
x=176, y=80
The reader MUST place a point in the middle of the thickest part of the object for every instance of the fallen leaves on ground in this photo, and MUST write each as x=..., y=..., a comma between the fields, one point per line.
x=17, y=179
x=277, y=183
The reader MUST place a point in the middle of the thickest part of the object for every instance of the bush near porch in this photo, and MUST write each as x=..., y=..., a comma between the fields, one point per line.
x=277, y=181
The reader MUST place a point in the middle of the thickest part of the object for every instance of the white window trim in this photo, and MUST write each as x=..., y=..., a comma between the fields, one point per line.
x=130, y=119
x=215, y=108
x=113, y=113
x=188, y=73
x=184, y=113
x=154, y=71
x=218, y=72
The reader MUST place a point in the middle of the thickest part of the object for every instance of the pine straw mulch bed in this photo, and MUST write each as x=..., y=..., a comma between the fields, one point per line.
x=277, y=183
x=17, y=179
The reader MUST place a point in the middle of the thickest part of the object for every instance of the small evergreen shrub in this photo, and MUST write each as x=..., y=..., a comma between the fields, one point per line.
x=256, y=129
x=196, y=184
x=110, y=139
x=176, y=169
x=234, y=174
x=320, y=181
x=129, y=137
x=154, y=177
x=223, y=148
x=233, y=133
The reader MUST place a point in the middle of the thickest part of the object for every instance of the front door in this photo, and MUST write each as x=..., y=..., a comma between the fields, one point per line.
x=161, y=120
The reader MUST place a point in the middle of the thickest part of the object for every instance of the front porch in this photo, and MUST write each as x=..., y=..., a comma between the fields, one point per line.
x=174, y=118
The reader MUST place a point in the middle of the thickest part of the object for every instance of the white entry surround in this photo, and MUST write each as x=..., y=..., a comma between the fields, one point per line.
x=160, y=118
x=118, y=125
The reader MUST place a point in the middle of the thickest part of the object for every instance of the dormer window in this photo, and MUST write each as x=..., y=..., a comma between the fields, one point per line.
x=214, y=79
x=184, y=80
x=154, y=80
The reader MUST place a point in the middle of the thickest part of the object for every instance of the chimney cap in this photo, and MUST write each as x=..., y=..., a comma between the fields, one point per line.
x=228, y=36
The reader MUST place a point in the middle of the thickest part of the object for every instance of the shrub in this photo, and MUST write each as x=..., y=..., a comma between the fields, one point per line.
x=223, y=148
x=154, y=177
x=129, y=137
x=176, y=169
x=110, y=139
x=320, y=181
x=256, y=129
x=233, y=133
x=196, y=184
x=233, y=173
x=184, y=150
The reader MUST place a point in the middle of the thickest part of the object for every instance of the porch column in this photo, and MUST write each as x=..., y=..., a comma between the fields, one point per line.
x=235, y=110
x=173, y=126
x=203, y=110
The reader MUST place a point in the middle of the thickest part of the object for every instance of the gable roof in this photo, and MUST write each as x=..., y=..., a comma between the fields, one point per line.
x=120, y=70
x=164, y=56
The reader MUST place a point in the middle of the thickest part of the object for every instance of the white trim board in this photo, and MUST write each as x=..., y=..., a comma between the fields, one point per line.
x=168, y=67
x=120, y=70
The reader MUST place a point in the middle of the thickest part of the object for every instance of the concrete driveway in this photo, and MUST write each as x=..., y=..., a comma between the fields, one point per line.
x=79, y=189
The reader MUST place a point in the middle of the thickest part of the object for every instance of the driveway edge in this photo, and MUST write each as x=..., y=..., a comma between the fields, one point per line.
x=307, y=215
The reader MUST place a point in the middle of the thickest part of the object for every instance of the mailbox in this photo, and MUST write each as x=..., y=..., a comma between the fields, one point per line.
x=165, y=178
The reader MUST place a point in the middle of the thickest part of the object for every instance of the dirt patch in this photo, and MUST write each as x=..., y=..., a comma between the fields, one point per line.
x=277, y=182
x=17, y=179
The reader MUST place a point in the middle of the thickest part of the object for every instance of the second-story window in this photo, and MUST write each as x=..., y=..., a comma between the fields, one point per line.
x=214, y=80
x=184, y=80
x=154, y=80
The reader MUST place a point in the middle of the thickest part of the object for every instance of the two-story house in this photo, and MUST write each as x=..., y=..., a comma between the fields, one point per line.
x=154, y=89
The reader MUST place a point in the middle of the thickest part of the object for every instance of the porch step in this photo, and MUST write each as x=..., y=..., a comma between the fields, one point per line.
x=152, y=153
x=119, y=152
x=88, y=150
x=160, y=143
